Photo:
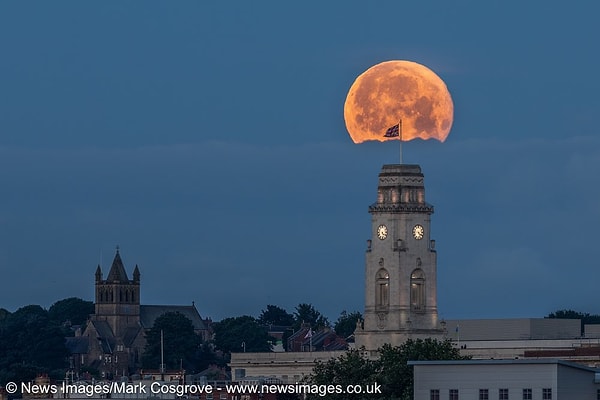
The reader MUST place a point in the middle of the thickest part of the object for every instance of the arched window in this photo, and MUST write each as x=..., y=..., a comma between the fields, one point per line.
x=382, y=288
x=417, y=290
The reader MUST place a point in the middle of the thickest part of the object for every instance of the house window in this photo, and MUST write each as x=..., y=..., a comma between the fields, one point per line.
x=546, y=394
x=434, y=394
x=502, y=394
x=453, y=394
x=484, y=394
x=417, y=289
x=527, y=394
x=383, y=288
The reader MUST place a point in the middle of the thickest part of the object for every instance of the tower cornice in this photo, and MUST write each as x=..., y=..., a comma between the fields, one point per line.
x=401, y=208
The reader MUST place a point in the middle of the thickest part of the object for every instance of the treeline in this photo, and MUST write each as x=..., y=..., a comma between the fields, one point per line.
x=32, y=339
x=248, y=333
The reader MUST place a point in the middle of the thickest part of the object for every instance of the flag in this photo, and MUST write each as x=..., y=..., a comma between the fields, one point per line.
x=393, y=131
x=308, y=334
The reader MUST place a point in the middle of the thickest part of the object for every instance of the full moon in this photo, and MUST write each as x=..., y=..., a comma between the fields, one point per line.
x=400, y=93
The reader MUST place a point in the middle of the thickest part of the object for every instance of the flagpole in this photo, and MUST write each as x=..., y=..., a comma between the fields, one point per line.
x=400, y=130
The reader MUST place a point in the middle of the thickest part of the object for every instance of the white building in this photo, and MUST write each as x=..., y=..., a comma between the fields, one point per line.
x=401, y=263
x=504, y=380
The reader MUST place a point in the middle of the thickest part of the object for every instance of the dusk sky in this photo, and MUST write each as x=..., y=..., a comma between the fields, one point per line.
x=207, y=140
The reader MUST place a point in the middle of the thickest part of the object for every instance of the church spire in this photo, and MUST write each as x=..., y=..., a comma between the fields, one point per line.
x=136, y=274
x=117, y=270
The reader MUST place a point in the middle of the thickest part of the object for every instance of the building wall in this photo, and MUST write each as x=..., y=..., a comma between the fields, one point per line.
x=591, y=330
x=468, y=379
x=567, y=381
x=513, y=329
x=575, y=384
x=290, y=367
x=553, y=328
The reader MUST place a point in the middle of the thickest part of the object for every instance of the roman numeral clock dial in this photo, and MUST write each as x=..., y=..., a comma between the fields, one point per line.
x=382, y=232
x=418, y=232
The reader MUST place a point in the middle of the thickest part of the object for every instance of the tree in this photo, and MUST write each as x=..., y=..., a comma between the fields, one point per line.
x=277, y=316
x=243, y=333
x=390, y=370
x=351, y=368
x=307, y=314
x=73, y=311
x=396, y=376
x=346, y=323
x=274, y=315
x=31, y=344
x=181, y=344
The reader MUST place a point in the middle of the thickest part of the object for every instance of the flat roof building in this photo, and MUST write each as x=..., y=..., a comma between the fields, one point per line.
x=504, y=379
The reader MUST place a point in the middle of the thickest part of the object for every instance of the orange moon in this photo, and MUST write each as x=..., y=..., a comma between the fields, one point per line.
x=396, y=91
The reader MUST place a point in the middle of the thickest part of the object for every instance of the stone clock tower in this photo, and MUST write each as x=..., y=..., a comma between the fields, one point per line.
x=401, y=263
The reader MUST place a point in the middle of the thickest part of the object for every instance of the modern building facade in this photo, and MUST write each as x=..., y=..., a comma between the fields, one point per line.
x=504, y=380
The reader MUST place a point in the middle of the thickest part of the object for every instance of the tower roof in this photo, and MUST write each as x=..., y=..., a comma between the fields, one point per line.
x=401, y=189
x=117, y=270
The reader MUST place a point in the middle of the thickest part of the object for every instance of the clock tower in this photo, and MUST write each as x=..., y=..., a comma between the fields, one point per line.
x=401, y=263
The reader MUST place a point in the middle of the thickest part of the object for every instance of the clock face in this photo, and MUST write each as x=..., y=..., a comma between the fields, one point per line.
x=382, y=232
x=418, y=232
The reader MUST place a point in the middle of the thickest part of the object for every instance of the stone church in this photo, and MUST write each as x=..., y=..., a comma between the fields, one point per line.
x=113, y=340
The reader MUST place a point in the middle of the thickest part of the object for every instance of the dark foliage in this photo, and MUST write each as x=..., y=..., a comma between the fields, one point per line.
x=71, y=311
x=346, y=323
x=390, y=370
x=233, y=335
x=307, y=314
x=181, y=345
x=31, y=344
x=274, y=315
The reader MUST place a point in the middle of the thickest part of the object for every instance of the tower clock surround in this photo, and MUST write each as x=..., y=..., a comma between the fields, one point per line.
x=401, y=263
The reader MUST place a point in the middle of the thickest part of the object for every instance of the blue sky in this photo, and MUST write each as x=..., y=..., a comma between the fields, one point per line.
x=207, y=140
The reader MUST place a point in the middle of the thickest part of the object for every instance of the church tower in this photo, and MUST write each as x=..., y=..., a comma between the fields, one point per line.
x=118, y=298
x=401, y=263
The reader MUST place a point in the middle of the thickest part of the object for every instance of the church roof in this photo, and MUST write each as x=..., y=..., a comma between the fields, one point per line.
x=103, y=329
x=148, y=314
x=77, y=345
x=130, y=335
x=117, y=270
x=106, y=338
